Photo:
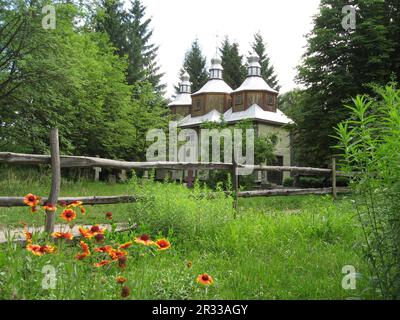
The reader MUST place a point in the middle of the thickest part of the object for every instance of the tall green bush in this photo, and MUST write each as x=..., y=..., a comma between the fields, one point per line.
x=370, y=142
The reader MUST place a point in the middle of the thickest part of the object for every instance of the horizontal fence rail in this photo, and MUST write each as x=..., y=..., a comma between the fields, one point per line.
x=91, y=201
x=289, y=192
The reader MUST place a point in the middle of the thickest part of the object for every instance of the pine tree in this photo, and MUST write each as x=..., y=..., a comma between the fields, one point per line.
x=267, y=69
x=130, y=34
x=142, y=54
x=234, y=71
x=195, y=65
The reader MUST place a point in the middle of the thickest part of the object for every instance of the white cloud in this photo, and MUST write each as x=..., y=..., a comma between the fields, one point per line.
x=283, y=24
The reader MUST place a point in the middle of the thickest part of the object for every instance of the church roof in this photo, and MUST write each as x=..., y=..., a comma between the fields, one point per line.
x=255, y=112
x=182, y=99
x=215, y=86
x=212, y=116
x=255, y=83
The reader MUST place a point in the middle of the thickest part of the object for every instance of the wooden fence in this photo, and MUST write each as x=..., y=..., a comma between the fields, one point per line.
x=58, y=161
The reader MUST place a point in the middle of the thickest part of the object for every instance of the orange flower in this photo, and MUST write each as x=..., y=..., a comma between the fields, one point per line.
x=163, y=244
x=84, y=247
x=122, y=262
x=109, y=215
x=105, y=249
x=125, y=292
x=50, y=207
x=85, y=233
x=99, y=237
x=102, y=263
x=34, y=209
x=31, y=200
x=96, y=229
x=81, y=256
x=83, y=210
x=144, y=239
x=28, y=236
x=40, y=250
x=116, y=254
x=75, y=203
x=62, y=235
x=68, y=215
x=121, y=280
x=125, y=245
x=205, y=279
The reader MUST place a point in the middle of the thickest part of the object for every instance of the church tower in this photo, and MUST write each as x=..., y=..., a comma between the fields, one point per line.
x=214, y=95
x=254, y=90
x=183, y=101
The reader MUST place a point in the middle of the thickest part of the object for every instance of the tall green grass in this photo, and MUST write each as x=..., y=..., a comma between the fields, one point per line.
x=275, y=248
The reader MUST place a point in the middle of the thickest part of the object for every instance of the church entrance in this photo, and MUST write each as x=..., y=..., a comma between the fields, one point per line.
x=276, y=177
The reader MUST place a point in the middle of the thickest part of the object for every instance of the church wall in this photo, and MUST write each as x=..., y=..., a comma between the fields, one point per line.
x=283, y=146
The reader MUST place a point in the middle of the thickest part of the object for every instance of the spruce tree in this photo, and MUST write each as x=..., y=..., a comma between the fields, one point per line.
x=195, y=65
x=234, y=71
x=267, y=69
x=141, y=52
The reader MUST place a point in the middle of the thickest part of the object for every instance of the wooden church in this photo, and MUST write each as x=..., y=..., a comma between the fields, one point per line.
x=254, y=100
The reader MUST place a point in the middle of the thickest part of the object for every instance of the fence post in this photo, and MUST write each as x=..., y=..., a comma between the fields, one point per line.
x=235, y=184
x=55, y=179
x=334, y=188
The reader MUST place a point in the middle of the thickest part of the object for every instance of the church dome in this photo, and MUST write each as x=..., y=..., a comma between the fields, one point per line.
x=183, y=98
x=254, y=81
x=215, y=83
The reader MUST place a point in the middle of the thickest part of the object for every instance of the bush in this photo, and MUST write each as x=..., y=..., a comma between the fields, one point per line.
x=288, y=182
x=370, y=141
x=311, y=182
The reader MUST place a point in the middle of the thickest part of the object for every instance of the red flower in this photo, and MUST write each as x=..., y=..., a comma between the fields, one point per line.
x=68, y=215
x=163, y=244
x=144, y=239
x=109, y=215
x=31, y=200
x=125, y=292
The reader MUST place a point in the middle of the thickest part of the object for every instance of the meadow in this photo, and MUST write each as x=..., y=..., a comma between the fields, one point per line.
x=270, y=248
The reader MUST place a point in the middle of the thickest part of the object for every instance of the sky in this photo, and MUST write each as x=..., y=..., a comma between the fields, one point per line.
x=282, y=23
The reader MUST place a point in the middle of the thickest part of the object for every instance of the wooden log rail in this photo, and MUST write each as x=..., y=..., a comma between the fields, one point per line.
x=289, y=192
x=91, y=201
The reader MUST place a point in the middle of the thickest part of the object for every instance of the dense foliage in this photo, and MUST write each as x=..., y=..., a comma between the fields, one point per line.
x=70, y=77
x=370, y=142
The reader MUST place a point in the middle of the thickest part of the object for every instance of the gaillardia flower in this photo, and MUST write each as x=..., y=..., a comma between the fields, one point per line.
x=144, y=239
x=120, y=280
x=85, y=233
x=109, y=215
x=68, y=215
x=62, y=235
x=205, y=279
x=163, y=244
x=50, y=207
x=40, y=250
x=31, y=200
x=125, y=292
x=102, y=263
x=125, y=245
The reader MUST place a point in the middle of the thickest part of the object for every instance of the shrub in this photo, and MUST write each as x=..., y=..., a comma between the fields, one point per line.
x=370, y=142
x=288, y=182
x=311, y=182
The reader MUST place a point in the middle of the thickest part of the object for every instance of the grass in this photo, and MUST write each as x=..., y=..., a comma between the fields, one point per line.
x=276, y=248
